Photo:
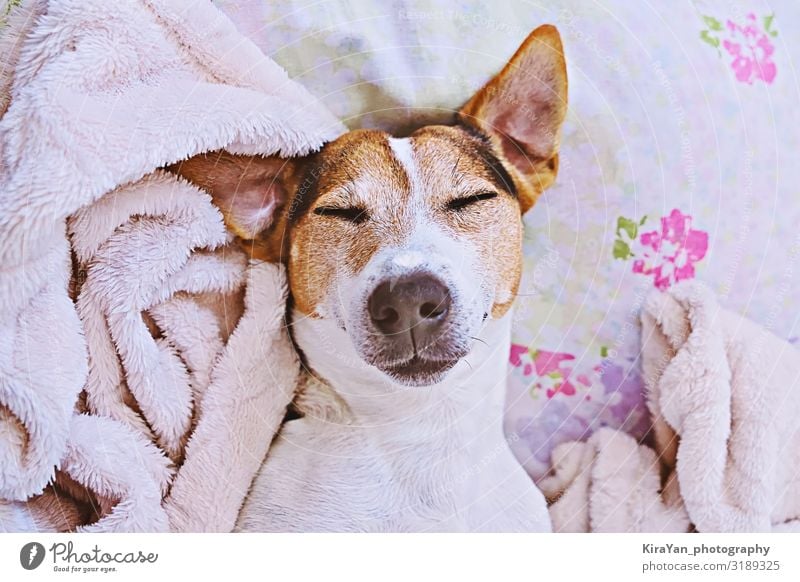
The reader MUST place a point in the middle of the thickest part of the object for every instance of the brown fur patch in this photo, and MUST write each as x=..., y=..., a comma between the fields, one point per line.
x=358, y=170
x=452, y=163
x=241, y=187
x=530, y=92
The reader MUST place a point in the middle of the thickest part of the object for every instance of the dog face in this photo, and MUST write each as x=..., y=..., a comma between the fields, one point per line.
x=407, y=244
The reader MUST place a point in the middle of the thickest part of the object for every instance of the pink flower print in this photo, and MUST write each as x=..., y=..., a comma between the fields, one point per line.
x=547, y=362
x=670, y=255
x=551, y=376
x=515, y=357
x=751, y=51
x=554, y=378
x=748, y=44
x=517, y=351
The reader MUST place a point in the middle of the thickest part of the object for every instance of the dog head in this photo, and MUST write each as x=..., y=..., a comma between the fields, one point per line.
x=407, y=244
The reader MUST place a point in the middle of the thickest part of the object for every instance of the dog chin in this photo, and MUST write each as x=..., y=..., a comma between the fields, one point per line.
x=418, y=372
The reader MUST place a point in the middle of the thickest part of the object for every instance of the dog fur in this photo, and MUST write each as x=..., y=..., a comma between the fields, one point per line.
x=388, y=439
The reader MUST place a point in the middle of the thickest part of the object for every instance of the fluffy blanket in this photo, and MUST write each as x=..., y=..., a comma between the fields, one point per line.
x=725, y=398
x=144, y=366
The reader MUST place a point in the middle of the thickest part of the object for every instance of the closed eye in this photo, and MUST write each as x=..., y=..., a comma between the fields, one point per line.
x=352, y=214
x=465, y=201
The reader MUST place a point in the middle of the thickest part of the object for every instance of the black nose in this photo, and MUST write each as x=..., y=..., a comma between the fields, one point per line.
x=416, y=303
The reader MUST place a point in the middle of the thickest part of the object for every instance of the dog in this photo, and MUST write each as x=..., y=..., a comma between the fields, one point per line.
x=403, y=256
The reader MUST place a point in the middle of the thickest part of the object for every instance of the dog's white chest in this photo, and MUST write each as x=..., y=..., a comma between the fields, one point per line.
x=428, y=475
x=372, y=457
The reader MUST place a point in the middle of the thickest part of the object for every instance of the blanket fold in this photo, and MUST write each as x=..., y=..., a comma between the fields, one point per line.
x=138, y=346
x=609, y=484
x=724, y=397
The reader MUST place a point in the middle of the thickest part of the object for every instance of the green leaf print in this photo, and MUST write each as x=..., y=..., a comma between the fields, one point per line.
x=628, y=225
x=768, y=25
x=622, y=250
x=707, y=38
x=712, y=23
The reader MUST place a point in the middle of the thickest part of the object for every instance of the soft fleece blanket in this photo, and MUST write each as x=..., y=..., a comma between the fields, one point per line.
x=144, y=366
x=380, y=64
x=727, y=440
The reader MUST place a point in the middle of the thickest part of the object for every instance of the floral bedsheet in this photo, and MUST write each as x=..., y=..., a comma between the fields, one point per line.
x=679, y=160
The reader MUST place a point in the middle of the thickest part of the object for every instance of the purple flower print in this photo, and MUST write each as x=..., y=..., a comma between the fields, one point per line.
x=628, y=409
x=553, y=425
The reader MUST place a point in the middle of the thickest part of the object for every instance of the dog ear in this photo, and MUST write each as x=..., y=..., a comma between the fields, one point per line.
x=250, y=191
x=522, y=110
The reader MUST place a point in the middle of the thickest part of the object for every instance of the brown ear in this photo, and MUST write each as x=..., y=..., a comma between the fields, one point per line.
x=522, y=110
x=250, y=191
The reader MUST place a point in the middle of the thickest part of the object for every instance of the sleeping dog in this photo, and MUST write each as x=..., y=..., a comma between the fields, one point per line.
x=403, y=258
